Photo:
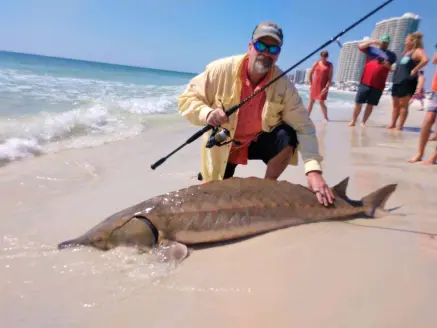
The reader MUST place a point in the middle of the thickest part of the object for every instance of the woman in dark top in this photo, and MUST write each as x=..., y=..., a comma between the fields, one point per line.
x=405, y=77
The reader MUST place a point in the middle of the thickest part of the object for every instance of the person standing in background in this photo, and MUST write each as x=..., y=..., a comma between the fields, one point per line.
x=420, y=90
x=405, y=78
x=319, y=86
x=434, y=59
x=379, y=61
x=428, y=121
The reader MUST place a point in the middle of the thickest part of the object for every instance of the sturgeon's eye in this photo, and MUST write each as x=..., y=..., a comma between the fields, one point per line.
x=99, y=242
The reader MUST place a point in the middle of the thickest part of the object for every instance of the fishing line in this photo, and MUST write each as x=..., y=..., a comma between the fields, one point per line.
x=233, y=109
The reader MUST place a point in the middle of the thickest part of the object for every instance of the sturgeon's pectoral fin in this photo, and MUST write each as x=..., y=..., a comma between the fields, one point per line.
x=170, y=250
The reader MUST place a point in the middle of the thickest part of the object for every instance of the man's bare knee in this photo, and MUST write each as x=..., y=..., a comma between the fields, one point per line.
x=286, y=153
x=279, y=163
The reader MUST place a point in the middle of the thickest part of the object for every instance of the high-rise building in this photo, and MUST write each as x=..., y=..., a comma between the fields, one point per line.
x=307, y=75
x=350, y=62
x=299, y=76
x=398, y=28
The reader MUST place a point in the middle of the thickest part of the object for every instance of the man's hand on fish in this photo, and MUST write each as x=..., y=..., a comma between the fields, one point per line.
x=317, y=184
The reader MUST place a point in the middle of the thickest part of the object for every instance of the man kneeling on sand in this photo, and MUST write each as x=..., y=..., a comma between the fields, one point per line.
x=428, y=121
x=270, y=127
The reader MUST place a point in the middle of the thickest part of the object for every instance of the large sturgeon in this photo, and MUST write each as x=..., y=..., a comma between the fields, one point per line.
x=221, y=211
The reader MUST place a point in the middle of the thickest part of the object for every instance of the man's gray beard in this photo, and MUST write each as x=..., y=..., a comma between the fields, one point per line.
x=261, y=66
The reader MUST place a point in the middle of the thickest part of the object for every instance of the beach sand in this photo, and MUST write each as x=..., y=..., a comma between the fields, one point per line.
x=362, y=273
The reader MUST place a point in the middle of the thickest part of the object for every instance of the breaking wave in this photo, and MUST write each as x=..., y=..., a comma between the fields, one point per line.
x=41, y=113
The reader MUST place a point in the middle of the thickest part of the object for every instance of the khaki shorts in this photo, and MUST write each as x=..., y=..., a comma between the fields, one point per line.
x=432, y=104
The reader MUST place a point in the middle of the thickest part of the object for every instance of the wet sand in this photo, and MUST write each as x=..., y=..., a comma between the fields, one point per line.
x=362, y=273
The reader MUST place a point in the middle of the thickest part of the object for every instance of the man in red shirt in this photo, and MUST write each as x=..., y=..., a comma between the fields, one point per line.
x=270, y=127
x=379, y=61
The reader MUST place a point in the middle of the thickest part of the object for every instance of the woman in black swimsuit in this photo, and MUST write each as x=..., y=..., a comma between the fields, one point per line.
x=405, y=77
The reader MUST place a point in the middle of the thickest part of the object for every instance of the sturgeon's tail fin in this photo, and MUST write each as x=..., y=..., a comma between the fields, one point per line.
x=374, y=202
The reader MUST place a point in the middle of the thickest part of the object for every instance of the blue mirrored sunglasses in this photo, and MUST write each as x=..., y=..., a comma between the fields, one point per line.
x=261, y=47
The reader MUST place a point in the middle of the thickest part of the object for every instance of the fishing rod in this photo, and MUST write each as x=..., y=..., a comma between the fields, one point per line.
x=213, y=140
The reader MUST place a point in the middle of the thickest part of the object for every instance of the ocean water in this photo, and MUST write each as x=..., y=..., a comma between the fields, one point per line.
x=49, y=104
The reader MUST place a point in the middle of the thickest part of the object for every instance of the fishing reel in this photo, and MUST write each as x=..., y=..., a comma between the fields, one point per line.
x=219, y=137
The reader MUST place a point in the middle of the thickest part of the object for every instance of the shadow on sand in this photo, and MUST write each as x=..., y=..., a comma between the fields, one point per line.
x=241, y=239
x=412, y=129
x=429, y=234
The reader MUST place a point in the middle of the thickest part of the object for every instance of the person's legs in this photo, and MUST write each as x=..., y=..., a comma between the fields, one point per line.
x=324, y=110
x=355, y=114
x=372, y=100
x=310, y=107
x=406, y=91
x=279, y=163
x=432, y=109
x=395, y=113
x=403, y=111
x=367, y=112
x=229, y=172
x=424, y=135
x=360, y=98
x=275, y=149
x=431, y=159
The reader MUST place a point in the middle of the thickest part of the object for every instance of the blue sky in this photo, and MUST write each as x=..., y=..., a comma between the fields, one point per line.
x=186, y=35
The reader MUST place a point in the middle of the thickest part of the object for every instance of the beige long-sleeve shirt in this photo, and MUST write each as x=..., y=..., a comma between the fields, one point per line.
x=221, y=83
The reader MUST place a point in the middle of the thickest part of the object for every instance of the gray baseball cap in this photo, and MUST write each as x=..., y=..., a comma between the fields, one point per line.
x=268, y=29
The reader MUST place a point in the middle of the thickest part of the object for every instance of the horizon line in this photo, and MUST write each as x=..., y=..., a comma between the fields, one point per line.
x=96, y=62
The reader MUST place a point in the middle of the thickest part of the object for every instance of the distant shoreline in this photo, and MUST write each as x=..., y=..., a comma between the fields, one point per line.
x=331, y=89
x=96, y=62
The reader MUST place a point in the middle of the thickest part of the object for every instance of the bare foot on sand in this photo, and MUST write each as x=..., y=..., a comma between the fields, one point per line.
x=325, y=120
x=351, y=123
x=429, y=161
x=433, y=138
x=390, y=127
x=399, y=128
x=363, y=124
x=415, y=159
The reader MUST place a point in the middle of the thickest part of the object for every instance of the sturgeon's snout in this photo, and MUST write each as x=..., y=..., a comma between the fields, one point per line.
x=66, y=244
x=72, y=243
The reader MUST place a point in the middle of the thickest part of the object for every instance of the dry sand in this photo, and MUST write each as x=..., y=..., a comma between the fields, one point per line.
x=364, y=273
